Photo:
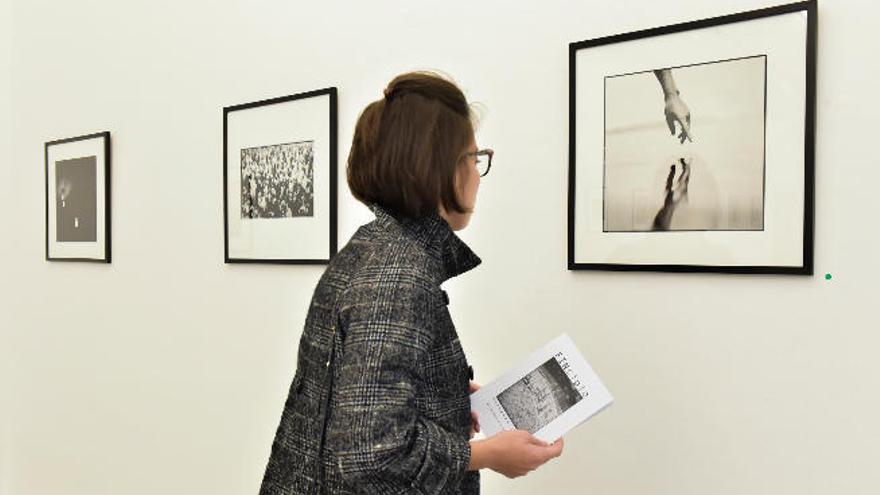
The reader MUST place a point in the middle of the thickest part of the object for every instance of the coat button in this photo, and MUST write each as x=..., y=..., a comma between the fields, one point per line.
x=445, y=297
x=471, y=372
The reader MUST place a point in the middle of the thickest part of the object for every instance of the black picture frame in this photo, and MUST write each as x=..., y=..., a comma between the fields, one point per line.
x=332, y=163
x=103, y=249
x=809, y=8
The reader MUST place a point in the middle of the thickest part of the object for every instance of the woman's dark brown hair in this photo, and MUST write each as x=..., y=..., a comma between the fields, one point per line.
x=407, y=146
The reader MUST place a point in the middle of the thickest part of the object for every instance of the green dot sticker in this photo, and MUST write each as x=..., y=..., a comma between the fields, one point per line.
x=827, y=276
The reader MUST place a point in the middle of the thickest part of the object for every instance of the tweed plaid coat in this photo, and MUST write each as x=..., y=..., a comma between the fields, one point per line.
x=379, y=402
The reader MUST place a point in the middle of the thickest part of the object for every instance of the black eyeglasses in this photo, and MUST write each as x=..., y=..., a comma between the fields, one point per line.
x=482, y=166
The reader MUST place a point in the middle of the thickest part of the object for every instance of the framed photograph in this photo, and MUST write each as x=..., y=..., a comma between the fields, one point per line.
x=691, y=146
x=78, y=198
x=279, y=179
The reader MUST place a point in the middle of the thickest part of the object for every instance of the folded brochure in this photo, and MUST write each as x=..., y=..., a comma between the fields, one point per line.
x=548, y=393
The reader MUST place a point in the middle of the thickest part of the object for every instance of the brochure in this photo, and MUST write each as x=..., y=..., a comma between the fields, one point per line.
x=548, y=393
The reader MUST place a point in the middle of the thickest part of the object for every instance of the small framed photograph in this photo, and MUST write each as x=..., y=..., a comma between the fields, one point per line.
x=78, y=198
x=279, y=179
x=691, y=146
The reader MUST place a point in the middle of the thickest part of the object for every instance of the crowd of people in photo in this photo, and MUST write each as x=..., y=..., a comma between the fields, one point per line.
x=277, y=181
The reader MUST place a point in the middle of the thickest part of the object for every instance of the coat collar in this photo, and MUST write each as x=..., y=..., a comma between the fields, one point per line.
x=434, y=234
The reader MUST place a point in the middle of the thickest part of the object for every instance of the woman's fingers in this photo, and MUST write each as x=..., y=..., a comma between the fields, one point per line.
x=551, y=450
x=519, y=452
x=537, y=441
x=475, y=423
x=556, y=447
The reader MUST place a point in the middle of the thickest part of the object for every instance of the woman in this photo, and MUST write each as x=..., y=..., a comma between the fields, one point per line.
x=379, y=401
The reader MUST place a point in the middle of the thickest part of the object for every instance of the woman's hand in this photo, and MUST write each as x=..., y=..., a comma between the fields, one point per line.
x=517, y=452
x=475, y=420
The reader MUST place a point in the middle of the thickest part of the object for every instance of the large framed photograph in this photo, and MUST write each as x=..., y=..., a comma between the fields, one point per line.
x=691, y=146
x=78, y=198
x=279, y=179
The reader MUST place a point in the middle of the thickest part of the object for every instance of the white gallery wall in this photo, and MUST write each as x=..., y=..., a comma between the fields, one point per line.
x=166, y=371
x=6, y=188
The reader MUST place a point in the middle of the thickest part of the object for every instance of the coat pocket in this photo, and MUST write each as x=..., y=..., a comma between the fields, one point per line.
x=295, y=389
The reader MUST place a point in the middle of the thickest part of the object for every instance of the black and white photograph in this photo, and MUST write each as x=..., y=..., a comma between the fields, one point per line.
x=539, y=397
x=78, y=198
x=660, y=174
x=279, y=179
x=691, y=146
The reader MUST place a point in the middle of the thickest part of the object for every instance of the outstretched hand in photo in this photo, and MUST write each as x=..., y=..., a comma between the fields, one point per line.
x=675, y=108
x=729, y=98
x=676, y=192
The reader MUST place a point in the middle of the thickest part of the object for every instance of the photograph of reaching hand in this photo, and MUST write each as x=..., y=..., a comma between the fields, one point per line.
x=659, y=175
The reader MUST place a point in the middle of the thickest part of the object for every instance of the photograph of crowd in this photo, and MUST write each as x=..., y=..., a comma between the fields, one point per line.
x=277, y=181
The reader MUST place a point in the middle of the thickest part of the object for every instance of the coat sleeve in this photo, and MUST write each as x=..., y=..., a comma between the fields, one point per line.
x=381, y=442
